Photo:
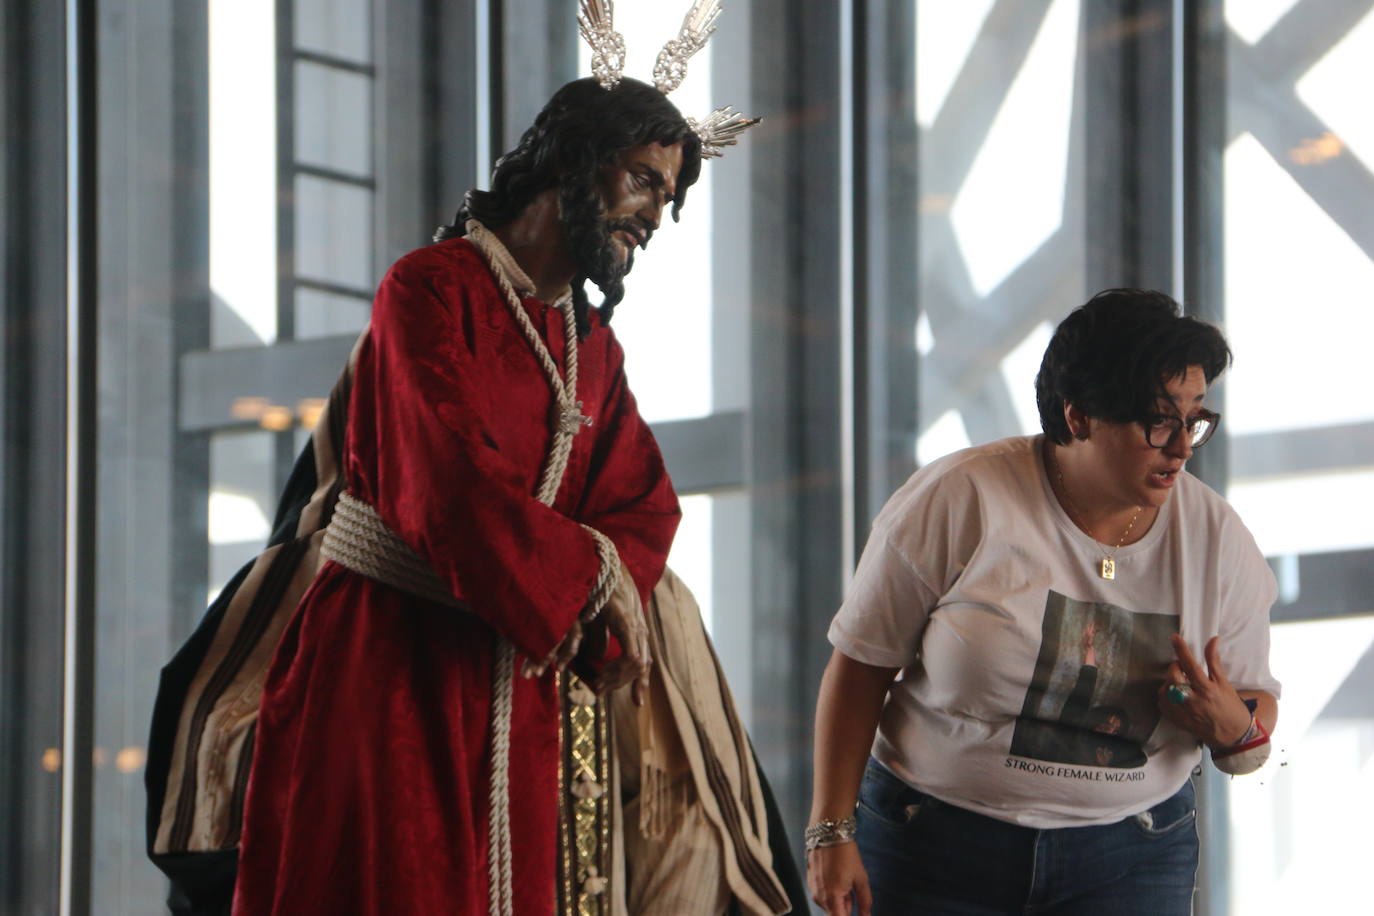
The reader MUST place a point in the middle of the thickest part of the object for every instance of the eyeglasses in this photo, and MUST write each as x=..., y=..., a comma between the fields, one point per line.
x=1161, y=428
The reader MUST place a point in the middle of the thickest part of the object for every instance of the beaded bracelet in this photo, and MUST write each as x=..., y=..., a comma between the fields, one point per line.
x=1248, y=754
x=830, y=833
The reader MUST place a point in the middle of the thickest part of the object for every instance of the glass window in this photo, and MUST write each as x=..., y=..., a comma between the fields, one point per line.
x=334, y=28
x=243, y=172
x=242, y=501
x=1000, y=237
x=333, y=118
x=1299, y=265
x=664, y=322
x=192, y=254
x=321, y=314
x=334, y=233
x=691, y=554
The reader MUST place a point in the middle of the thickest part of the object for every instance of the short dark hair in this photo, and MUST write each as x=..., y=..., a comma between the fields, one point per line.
x=1113, y=355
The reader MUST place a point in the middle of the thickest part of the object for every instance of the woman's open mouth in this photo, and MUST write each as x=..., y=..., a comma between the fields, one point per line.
x=1164, y=478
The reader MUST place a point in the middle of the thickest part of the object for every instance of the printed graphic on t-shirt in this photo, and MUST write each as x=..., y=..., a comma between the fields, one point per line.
x=1092, y=699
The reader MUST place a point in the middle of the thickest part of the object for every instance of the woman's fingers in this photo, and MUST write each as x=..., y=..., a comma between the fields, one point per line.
x=835, y=904
x=1210, y=710
x=1191, y=669
x=864, y=896
x=1214, y=666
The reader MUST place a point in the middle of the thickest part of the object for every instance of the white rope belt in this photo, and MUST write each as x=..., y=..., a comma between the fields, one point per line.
x=358, y=539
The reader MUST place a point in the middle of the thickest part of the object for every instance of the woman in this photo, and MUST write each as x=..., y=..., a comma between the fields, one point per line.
x=1073, y=616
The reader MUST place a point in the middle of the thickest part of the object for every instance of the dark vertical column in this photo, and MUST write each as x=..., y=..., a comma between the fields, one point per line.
x=796, y=195
x=153, y=304
x=82, y=449
x=885, y=262
x=537, y=46
x=1204, y=126
x=189, y=79
x=454, y=107
x=10, y=715
x=33, y=286
x=1203, y=116
x=1129, y=130
x=284, y=441
x=404, y=133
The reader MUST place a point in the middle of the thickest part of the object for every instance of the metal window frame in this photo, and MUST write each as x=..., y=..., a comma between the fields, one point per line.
x=79, y=621
x=33, y=281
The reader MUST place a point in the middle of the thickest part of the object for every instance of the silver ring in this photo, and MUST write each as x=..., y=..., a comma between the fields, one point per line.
x=1179, y=693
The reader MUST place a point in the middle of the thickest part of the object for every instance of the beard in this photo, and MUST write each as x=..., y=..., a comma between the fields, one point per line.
x=595, y=252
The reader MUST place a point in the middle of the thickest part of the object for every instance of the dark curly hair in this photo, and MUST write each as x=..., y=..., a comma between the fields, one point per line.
x=583, y=128
x=1113, y=355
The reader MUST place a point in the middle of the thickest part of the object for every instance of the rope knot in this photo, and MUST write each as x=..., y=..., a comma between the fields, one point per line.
x=572, y=419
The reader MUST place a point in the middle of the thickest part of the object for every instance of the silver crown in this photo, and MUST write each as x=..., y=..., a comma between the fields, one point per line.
x=721, y=128
x=697, y=28
x=594, y=21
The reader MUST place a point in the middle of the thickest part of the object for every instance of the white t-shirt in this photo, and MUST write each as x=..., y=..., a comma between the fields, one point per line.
x=1029, y=689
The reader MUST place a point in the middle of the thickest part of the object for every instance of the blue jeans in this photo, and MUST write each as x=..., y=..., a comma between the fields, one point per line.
x=926, y=857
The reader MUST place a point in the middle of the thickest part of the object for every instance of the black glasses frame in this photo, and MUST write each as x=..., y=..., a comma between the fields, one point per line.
x=1168, y=426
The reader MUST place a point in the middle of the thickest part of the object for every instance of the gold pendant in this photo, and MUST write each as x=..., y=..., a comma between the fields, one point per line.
x=1108, y=568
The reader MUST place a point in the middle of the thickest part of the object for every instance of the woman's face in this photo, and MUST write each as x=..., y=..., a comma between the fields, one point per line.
x=1132, y=471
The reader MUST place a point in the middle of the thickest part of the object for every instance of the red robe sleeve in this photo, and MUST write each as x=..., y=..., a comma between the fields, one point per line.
x=434, y=400
x=629, y=497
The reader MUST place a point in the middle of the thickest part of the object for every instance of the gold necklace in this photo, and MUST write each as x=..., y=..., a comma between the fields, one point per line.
x=1108, y=568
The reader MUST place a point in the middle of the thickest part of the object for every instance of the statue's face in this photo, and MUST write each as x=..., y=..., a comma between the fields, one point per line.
x=603, y=227
x=634, y=189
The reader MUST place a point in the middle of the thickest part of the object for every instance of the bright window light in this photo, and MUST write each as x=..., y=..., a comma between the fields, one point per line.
x=1307, y=513
x=691, y=554
x=235, y=519
x=1252, y=19
x=945, y=33
x=1294, y=825
x=945, y=435
x=664, y=322
x=1300, y=303
x=1019, y=368
x=1013, y=198
x=243, y=168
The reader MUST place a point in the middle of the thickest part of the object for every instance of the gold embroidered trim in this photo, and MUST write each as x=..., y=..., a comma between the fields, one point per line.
x=584, y=809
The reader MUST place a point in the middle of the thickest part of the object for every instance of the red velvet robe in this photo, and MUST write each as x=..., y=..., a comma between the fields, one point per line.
x=369, y=785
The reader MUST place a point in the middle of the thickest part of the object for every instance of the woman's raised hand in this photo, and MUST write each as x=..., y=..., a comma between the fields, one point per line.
x=1213, y=711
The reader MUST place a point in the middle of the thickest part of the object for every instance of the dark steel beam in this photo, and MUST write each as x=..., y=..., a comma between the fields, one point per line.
x=1302, y=451
x=1303, y=35
x=886, y=195
x=1201, y=44
x=82, y=466
x=1204, y=47
x=458, y=115
x=33, y=283
x=704, y=454
x=1315, y=586
x=211, y=381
